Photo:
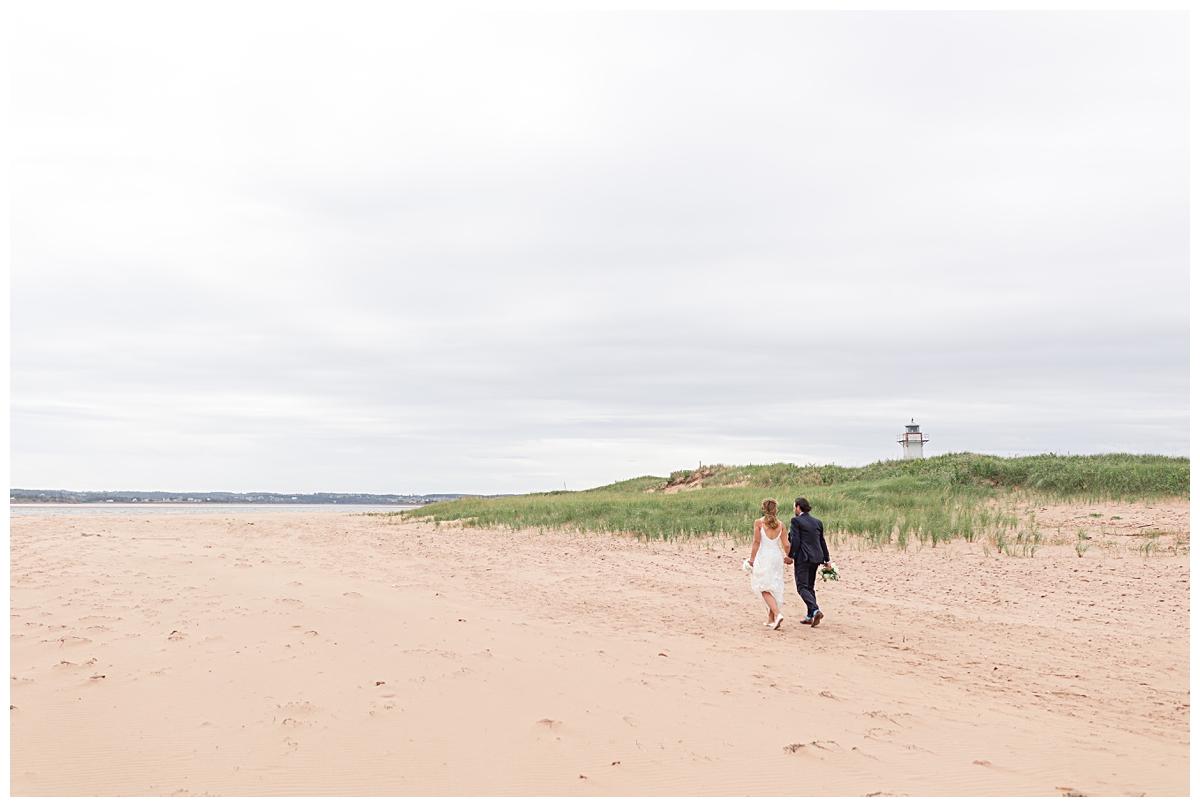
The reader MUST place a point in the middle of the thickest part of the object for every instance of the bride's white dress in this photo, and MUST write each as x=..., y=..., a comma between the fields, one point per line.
x=767, y=572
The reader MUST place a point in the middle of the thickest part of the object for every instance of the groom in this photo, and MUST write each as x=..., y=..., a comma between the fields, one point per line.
x=808, y=551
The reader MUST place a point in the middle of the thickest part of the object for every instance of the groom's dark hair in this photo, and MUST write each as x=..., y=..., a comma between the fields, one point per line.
x=803, y=504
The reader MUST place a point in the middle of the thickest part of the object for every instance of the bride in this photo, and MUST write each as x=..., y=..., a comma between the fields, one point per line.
x=766, y=561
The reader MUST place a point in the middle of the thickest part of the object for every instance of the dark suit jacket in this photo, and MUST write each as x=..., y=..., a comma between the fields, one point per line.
x=807, y=537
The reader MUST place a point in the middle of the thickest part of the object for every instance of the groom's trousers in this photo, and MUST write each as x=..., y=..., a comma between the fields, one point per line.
x=806, y=578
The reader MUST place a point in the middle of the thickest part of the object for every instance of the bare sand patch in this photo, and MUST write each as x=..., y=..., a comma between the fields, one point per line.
x=331, y=654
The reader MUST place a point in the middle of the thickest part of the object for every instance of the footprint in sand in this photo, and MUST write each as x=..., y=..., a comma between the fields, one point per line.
x=176, y=636
x=354, y=594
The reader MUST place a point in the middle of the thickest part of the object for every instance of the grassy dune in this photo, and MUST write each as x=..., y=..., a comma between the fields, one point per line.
x=952, y=496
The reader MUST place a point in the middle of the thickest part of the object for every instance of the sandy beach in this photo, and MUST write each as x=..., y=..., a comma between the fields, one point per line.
x=336, y=654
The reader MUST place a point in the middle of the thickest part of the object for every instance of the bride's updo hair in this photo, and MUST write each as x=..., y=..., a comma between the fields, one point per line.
x=770, y=508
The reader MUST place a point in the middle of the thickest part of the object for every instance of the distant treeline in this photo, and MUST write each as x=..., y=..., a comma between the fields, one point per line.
x=935, y=499
x=21, y=495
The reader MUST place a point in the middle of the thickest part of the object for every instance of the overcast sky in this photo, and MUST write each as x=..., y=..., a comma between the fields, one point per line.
x=327, y=251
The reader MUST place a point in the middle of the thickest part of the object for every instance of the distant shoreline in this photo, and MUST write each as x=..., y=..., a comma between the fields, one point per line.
x=63, y=497
x=191, y=508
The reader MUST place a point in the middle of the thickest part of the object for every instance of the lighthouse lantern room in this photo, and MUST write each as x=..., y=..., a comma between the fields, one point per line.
x=913, y=441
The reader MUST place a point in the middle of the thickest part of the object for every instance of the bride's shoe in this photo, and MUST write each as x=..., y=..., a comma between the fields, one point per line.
x=778, y=621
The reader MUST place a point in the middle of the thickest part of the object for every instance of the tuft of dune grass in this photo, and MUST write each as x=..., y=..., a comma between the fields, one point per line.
x=965, y=496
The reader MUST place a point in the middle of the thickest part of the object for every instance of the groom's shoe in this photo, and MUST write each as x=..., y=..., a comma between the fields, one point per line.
x=806, y=621
x=816, y=620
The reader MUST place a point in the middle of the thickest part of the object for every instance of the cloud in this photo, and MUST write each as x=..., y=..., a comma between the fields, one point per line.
x=495, y=253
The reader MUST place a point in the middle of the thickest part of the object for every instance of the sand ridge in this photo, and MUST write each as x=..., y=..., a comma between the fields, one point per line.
x=292, y=654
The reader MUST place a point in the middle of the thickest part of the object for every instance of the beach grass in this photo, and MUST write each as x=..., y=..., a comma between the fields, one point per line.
x=964, y=496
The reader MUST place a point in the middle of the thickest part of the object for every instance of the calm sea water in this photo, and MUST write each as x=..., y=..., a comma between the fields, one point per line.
x=175, y=508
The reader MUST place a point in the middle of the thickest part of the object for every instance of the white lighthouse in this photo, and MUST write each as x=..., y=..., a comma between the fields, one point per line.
x=913, y=441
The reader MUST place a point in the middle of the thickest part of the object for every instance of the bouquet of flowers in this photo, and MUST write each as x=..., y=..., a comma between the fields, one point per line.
x=829, y=572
